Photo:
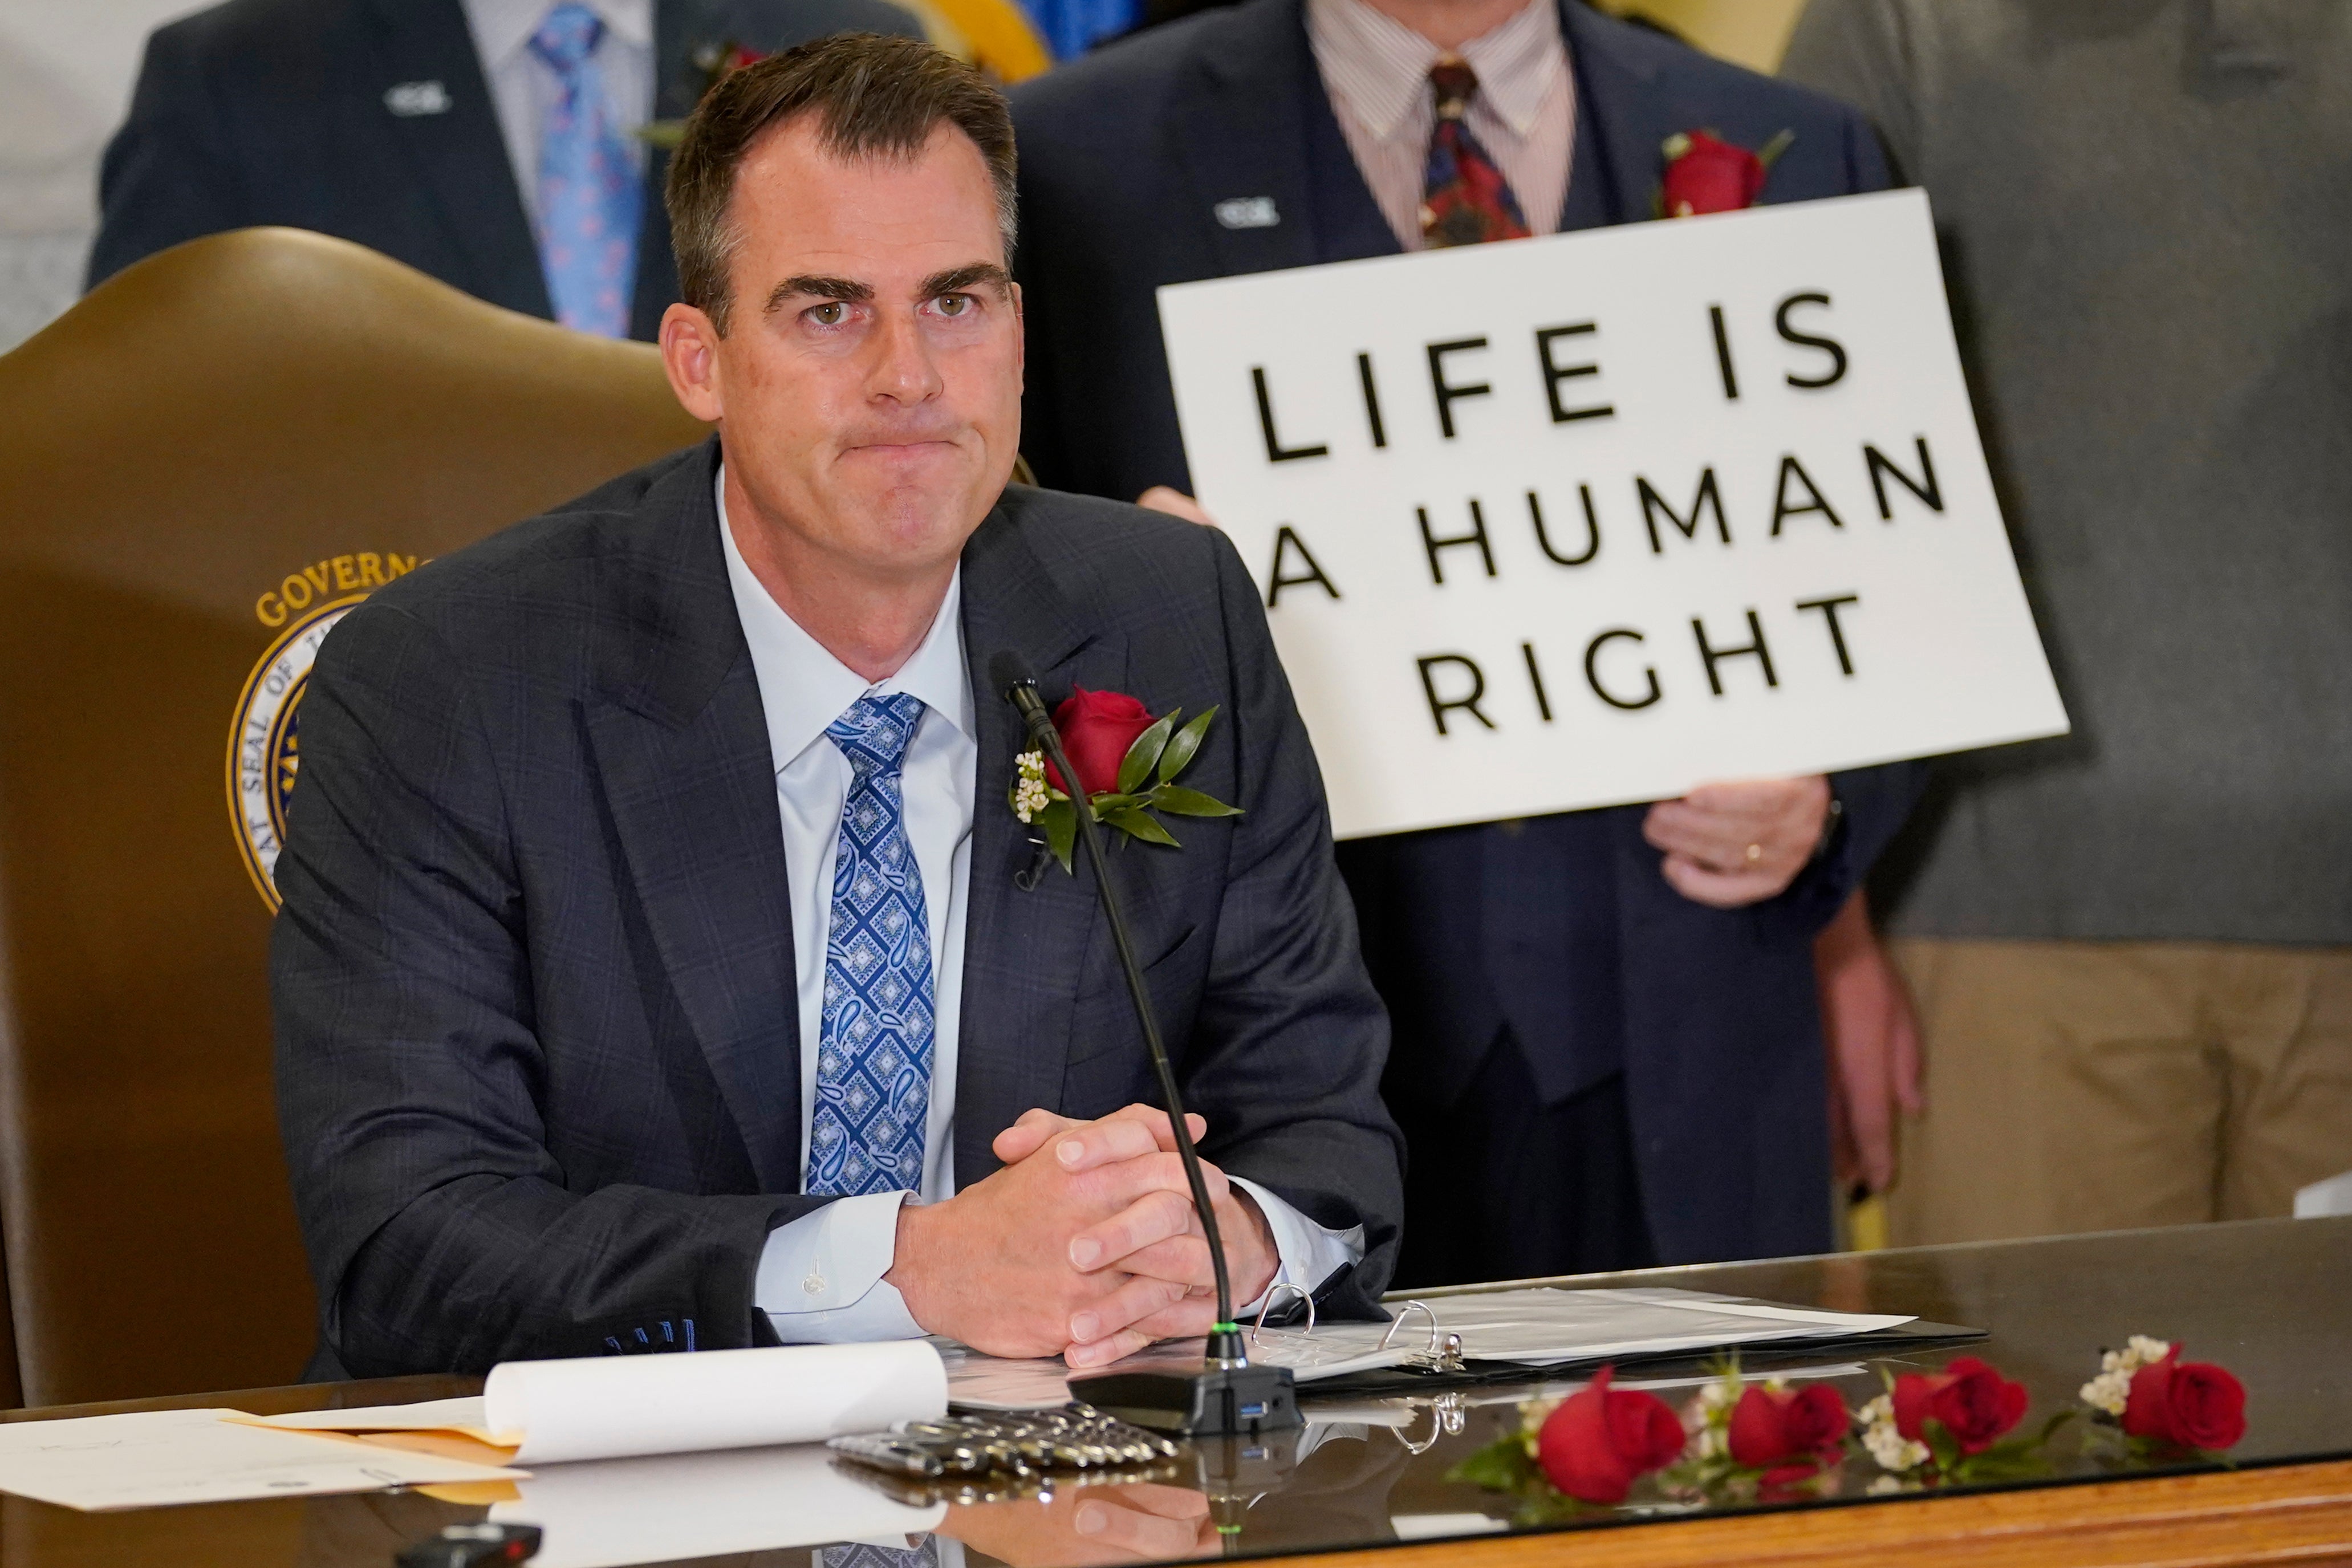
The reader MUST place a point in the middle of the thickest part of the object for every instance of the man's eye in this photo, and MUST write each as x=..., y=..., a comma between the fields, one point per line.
x=955, y=304
x=830, y=315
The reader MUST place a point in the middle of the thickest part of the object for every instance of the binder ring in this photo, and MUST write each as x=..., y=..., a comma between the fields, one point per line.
x=1443, y=1352
x=1397, y=1323
x=1274, y=1289
x=1448, y=1417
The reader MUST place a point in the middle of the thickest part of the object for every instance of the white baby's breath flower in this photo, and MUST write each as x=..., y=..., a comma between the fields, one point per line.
x=1029, y=792
x=1885, y=1486
x=1885, y=1443
x=2110, y=1391
x=2149, y=1351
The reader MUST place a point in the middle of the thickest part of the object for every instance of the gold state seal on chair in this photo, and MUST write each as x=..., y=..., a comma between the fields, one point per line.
x=263, y=747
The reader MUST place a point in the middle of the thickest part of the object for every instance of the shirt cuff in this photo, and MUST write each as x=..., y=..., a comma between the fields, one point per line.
x=820, y=1278
x=1309, y=1254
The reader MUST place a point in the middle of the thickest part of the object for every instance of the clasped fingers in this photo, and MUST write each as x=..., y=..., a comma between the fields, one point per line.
x=1155, y=1217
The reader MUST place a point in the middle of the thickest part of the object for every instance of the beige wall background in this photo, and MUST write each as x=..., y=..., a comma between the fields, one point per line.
x=1752, y=32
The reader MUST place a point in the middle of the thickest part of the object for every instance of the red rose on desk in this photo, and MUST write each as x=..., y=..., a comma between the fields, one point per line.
x=1771, y=1426
x=1975, y=1404
x=1098, y=728
x=2189, y=1404
x=1600, y=1438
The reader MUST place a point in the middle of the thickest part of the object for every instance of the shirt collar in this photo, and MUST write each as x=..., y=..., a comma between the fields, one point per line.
x=804, y=687
x=503, y=28
x=1388, y=63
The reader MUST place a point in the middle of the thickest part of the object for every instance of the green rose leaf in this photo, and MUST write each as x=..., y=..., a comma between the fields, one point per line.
x=1190, y=802
x=1137, y=822
x=1179, y=754
x=1144, y=754
x=1501, y=1466
x=1059, y=822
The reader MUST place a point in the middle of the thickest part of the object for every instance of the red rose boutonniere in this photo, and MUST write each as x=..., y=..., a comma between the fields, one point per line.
x=1127, y=763
x=1706, y=174
x=1601, y=1439
x=1970, y=1401
x=2165, y=1405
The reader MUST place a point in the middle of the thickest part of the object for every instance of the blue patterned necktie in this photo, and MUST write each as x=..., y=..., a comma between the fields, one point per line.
x=590, y=194
x=859, y=1555
x=874, y=1062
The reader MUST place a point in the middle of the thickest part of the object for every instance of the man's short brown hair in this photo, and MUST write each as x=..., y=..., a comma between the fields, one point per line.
x=874, y=97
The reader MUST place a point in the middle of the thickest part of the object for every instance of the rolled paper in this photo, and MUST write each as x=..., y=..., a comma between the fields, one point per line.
x=615, y=1407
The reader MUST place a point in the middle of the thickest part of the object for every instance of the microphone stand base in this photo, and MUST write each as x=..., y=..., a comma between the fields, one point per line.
x=1213, y=1402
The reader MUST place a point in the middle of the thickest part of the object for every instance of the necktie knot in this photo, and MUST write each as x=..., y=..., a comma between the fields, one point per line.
x=874, y=732
x=568, y=36
x=1452, y=84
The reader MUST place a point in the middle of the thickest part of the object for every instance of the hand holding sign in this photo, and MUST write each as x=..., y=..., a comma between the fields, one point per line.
x=1588, y=520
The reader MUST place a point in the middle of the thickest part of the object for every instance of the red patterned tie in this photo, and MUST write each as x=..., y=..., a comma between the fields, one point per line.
x=1465, y=197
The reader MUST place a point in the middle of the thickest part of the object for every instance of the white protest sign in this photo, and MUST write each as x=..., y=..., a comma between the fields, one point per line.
x=1593, y=519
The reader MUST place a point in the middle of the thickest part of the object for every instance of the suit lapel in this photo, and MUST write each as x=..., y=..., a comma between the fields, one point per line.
x=681, y=747
x=1624, y=117
x=459, y=155
x=1239, y=135
x=1025, y=953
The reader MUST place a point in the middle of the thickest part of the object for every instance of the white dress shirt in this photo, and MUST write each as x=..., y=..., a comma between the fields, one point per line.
x=523, y=87
x=1376, y=72
x=819, y=1277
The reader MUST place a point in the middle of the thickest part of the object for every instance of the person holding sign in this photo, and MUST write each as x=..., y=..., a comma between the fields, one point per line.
x=1607, y=1047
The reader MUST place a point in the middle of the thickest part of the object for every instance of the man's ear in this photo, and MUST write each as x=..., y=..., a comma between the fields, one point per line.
x=1020, y=341
x=690, y=351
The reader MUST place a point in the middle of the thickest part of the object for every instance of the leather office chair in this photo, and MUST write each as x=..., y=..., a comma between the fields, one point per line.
x=200, y=465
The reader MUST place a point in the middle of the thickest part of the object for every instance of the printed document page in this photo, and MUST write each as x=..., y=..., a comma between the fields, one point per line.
x=153, y=1457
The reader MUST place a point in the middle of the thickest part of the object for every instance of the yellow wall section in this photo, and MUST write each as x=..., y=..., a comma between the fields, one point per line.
x=1752, y=32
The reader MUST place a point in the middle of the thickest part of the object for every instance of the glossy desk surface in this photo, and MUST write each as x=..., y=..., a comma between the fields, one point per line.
x=2271, y=1300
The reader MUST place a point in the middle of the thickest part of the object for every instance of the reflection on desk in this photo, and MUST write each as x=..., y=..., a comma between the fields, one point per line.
x=2272, y=1300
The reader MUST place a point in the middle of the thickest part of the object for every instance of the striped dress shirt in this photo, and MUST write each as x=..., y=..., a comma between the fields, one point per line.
x=1376, y=71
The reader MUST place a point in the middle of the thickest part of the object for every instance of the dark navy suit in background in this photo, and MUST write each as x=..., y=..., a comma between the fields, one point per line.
x=275, y=112
x=1592, y=1070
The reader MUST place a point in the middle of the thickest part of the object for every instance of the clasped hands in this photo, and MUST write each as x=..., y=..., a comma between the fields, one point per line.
x=1085, y=1245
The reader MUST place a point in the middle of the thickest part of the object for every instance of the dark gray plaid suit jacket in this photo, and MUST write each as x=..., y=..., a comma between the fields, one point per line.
x=536, y=1029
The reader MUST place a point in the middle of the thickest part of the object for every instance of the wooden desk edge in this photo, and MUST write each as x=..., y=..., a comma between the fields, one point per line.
x=2287, y=1513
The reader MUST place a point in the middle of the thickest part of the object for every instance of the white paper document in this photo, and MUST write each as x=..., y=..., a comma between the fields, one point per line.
x=1540, y=1326
x=551, y=1411
x=1593, y=518
x=148, y=1459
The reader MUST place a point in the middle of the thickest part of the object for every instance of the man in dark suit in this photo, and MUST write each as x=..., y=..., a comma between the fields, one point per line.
x=657, y=921
x=381, y=121
x=1608, y=1045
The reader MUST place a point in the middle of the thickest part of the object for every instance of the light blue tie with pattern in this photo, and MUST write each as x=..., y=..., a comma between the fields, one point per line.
x=590, y=193
x=874, y=1062
x=860, y=1554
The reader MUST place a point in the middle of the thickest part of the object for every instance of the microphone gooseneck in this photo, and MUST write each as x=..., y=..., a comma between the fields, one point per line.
x=1010, y=674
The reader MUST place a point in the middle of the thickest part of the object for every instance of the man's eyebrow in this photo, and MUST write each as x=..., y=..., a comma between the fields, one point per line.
x=962, y=279
x=847, y=290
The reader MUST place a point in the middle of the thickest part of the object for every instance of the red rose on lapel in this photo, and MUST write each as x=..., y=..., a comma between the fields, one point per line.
x=1769, y=1427
x=1600, y=1438
x=1975, y=1405
x=1707, y=174
x=2189, y=1404
x=1097, y=727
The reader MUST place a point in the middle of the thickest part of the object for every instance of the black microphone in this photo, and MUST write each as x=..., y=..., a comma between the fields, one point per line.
x=1228, y=1394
